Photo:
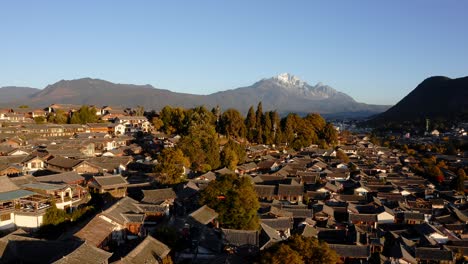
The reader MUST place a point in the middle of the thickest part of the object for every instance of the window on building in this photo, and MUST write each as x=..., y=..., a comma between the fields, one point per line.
x=5, y=217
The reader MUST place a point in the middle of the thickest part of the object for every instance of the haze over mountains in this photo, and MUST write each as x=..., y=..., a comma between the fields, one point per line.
x=284, y=93
x=436, y=97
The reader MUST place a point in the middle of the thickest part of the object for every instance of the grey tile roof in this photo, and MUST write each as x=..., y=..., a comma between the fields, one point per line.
x=43, y=186
x=413, y=216
x=280, y=223
x=86, y=254
x=434, y=254
x=6, y=185
x=150, y=250
x=96, y=231
x=134, y=218
x=63, y=162
x=351, y=251
x=300, y=213
x=66, y=177
x=264, y=190
x=204, y=215
x=158, y=195
x=363, y=218
x=25, y=179
x=287, y=190
x=240, y=237
x=111, y=181
x=16, y=194
x=123, y=206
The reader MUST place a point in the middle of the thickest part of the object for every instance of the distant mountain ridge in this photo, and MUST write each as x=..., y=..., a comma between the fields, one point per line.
x=437, y=97
x=14, y=93
x=284, y=93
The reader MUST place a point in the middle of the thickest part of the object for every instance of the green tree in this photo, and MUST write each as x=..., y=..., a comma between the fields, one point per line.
x=54, y=216
x=40, y=120
x=259, y=124
x=59, y=117
x=166, y=117
x=199, y=116
x=229, y=158
x=235, y=200
x=232, y=124
x=281, y=254
x=300, y=249
x=84, y=115
x=329, y=134
x=298, y=133
x=268, y=129
x=316, y=121
x=232, y=155
x=251, y=124
x=157, y=123
x=175, y=120
x=170, y=166
x=201, y=146
x=289, y=124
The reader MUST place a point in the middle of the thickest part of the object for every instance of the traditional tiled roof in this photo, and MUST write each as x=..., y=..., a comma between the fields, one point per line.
x=158, y=195
x=134, y=218
x=63, y=162
x=351, y=198
x=268, y=236
x=363, y=218
x=279, y=212
x=18, y=248
x=265, y=190
x=240, y=237
x=96, y=231
x=224, y=171
x=434, y=254
x=66, y=177
x=123, y=206
x=247, y=166
x=86, y=254
x=351, y=251
x=300, y=213
x=280, y=223
x=208, y=176
x=43, y=186
x=316, y=195
x=150, y=250
x=111, y=181
x=413, y=216
x=25, y=179
x=204, y=215
x=6, y=185
x=290, y=190
x=16, y=194
x=152, y=208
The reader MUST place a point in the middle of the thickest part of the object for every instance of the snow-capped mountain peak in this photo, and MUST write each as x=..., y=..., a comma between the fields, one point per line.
x=289, y=80
x=295, y=86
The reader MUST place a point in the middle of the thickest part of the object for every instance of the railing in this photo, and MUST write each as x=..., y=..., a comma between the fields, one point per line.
x=32, y=210
x=7, y=209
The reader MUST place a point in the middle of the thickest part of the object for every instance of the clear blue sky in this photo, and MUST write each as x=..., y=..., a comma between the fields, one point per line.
x=376, y=51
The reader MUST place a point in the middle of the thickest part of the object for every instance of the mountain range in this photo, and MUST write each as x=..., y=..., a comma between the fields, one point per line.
x=284, y=93
x=437, y=97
